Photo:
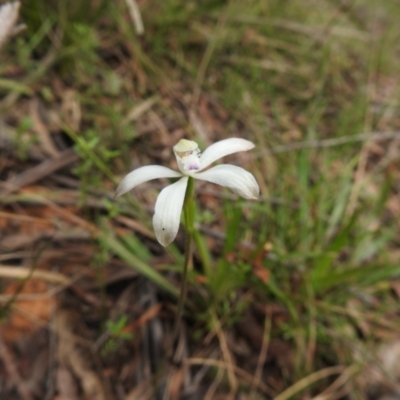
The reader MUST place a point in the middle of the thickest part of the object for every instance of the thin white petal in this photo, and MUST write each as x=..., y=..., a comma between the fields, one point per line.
x=222, y=149
x=168, y=210
x=144, y=174
x=235, y=178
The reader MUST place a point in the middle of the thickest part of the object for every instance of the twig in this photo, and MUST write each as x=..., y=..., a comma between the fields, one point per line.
x=40, y=171
x=53, y=370
x=263, y=355
x=226, y=354
x=41, y=129
x=25, y=218
x=23, y=273
x=214, y=385
x=135, y=225
x=335, y=388
x=239, y=371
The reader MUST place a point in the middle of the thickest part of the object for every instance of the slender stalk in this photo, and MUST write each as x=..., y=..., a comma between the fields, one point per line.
x=186, y=266
x=188, y=211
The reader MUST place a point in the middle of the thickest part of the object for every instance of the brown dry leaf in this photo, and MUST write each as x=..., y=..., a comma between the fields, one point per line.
x=66, y=385
x=201, y=279
x=76, y=354
x=231, y=257
x=148, y=315
x=27, y=315
x=262, y=273
x=258, y=268
x=3, y=223
x=175, y=383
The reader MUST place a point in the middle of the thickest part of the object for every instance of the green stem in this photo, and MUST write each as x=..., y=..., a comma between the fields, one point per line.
x=188, y=212
x=186, y=266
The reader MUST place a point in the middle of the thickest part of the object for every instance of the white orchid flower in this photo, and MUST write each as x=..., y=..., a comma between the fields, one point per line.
x=190, y=162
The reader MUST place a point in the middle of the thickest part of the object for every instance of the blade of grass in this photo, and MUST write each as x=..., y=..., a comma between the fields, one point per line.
x=119, y=249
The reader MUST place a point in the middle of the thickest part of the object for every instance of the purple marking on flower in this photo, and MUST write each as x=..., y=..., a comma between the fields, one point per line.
x=191, y=162
x=192, y=167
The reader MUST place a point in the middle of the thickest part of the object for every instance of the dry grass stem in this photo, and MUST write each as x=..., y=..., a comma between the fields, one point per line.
x=263, y=355
x=136, y=16
x=12, y=272
x=8, y=18
x=324, y=143
x=308, y=381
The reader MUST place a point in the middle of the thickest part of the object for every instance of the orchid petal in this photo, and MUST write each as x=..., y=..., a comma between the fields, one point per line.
x=142, y=175
x=222, y=149
x=168, y=210
x=235, y=178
